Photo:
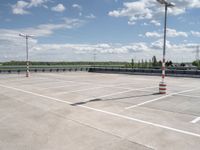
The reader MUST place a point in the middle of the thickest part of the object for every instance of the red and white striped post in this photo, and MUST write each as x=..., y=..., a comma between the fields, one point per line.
x=162, y=85
x=27, y=59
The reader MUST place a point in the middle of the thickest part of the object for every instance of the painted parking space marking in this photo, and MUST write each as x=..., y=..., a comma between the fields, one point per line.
x=162, y=97
x=196, y=120
x=192, y=96
x=108, y=113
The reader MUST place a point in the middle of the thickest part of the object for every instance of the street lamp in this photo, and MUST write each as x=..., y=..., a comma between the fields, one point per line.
x=162, y=85
x=27, y=60
x=94, y=57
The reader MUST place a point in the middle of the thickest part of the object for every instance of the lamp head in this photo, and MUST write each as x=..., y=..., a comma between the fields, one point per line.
x=161, y=1
x=168, y=4
x=26, y=36
x=21, y=34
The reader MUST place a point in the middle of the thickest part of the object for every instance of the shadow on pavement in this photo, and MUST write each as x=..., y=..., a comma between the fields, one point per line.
x=110, y=99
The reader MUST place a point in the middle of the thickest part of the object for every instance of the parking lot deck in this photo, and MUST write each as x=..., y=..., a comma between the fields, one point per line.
x=97, y=111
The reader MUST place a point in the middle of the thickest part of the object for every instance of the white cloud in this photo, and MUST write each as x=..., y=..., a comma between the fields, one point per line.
x=195, y=33
x=20, y=8
x=175, y=48
x=170, y=33
x=125, y=51
x=134, y=11
x=91, y=16
x=45, y=30
x=151, y=10
x=36, y=3
x=11, y=36
x=174, y=33
x=155, y=22
x=153, y=34
x=58, y=8
x=159, y=44
x=131, y=22
x=101, y=48
x=77, y=6
x=12, y=48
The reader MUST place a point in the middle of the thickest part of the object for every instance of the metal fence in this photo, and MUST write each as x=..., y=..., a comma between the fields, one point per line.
x=22, y=69
x=146, y=71
x=186, y=72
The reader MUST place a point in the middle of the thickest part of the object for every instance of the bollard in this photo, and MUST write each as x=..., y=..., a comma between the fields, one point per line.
x=27, y=74
x=162, y=88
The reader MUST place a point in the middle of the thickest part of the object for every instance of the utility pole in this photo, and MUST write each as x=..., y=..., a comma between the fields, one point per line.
x=27, y=55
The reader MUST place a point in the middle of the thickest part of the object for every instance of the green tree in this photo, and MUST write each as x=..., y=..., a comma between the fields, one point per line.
x=139, y=64
x=132, y=63
x=160, y=63
x=145, y=64
x=196, y=63
x=142, y=63
x=150, y=63
x=154, y=61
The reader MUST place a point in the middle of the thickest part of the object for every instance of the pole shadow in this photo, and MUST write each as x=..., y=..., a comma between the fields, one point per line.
x=112, y=99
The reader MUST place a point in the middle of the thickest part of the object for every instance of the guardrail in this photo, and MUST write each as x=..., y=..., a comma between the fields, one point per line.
x=145, y=71
x=105, y=69
x=9, y=70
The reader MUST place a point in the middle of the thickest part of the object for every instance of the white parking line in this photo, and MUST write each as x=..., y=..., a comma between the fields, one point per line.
x=195, y=120
x=33, y=93
x=162, y=97
x=109, y=113
x=146, y=102
x=143, y=121
x=192, y=96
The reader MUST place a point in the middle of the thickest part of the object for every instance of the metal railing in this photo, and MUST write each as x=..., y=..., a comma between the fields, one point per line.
x=185, y=72
x=148, y=71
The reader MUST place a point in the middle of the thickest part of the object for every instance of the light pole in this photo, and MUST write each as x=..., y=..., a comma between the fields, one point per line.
x=27, y=60
x=94, y=57
x=162, y=85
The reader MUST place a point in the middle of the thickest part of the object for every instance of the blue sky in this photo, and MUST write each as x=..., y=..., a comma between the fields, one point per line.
x=116, y=30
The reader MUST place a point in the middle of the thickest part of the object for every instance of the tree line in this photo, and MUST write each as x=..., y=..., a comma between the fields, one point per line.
x=38, y=63
x=151, y=63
